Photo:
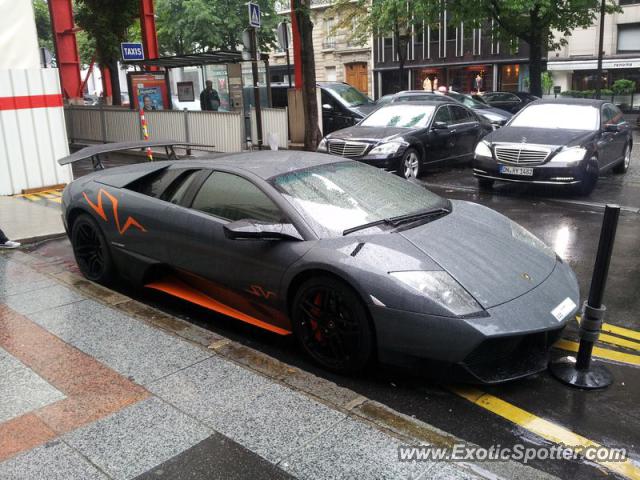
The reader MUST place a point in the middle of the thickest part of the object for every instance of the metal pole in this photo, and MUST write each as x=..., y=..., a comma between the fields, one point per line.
x=580, y=372
x=600, y=47
x=256, y=87
x=187, y=132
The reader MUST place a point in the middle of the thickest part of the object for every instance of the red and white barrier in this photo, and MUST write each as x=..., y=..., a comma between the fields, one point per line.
x=32, y=130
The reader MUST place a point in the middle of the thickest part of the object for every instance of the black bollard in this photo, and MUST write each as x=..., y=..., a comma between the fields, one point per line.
x=580, y=371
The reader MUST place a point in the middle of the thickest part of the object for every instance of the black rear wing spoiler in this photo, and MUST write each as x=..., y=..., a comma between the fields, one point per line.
x=95, y=151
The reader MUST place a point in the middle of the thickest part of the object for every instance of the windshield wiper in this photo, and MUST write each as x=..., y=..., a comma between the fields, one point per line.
x=412, y=217
x=367, y=225
x=401, y=219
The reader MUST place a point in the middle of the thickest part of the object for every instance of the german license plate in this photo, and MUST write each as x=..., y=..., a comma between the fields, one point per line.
x=523, y=171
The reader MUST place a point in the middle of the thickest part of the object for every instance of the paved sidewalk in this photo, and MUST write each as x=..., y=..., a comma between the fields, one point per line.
x=26, y=221
x=88, y=391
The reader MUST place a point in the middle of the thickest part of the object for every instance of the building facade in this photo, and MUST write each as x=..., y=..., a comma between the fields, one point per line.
x=337, y=58
x=574, y=67
x=462, y=58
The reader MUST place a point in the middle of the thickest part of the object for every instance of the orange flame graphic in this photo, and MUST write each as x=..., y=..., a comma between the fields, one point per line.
x=99, y=209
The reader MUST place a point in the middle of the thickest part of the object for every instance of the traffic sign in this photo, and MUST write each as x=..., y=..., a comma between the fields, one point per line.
x=254, y=15
x=132, y=51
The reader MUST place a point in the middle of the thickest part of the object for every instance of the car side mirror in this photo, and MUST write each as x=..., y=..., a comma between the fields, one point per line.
x=612, y=127
x=327, y=106
x=255, y=230
x=439, y=126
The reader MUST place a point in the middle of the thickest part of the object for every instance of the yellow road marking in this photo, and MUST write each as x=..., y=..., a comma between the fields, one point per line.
x=541, y=427
x=57, y=200
x=625, y=332
x=605, y=353
x=30, y=196
x=622, y=342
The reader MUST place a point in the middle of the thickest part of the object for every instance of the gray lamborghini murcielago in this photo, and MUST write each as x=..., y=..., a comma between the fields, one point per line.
x=358, y=264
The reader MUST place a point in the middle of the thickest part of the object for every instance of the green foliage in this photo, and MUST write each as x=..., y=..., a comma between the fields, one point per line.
x=623, y=87
x=604, y=93
x=107, y=24
x=189, y=26
x=43, y=24
x=547, y=82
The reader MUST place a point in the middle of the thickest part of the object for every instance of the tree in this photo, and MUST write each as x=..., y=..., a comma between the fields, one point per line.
x=43, y=24
x=302, y=12
x=190, y=26
x=108, y=23
x=386, y=18
x=532, y=21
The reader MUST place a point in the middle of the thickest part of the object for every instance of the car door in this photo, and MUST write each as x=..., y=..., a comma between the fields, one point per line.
x=620, y=138
x=442, y=136
x=242, y=274
x=334, y=115
x=467, y=130
x=610, y=144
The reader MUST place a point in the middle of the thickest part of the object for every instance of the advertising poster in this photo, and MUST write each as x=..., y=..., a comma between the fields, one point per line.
x=149, y=91
x=185, y=92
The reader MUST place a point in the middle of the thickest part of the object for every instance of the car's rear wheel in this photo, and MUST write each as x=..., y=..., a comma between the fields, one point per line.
x=91, y=250
x=410, y=164
x=331, y=324
x=623, y=166
x=589, y=177
x=485, y=183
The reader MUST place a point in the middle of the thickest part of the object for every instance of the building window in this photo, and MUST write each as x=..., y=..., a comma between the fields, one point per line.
x=629, y=2
x=629, y=38
x=330, y=74
x=329, y=35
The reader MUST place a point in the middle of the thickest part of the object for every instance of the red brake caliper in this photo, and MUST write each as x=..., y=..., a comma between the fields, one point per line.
x=317, y=301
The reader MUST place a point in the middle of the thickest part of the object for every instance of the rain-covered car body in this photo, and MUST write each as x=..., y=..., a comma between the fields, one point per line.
x=459, y=285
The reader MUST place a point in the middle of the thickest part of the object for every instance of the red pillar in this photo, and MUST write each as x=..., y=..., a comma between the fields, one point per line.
x=64, y=35
x=297, y=45
x=148, y=30
x=107, y=92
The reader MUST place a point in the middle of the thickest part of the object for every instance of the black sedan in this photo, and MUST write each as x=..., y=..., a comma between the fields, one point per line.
x=497, y=117
x=564, y=142
x=405, y=137
x=509, y=101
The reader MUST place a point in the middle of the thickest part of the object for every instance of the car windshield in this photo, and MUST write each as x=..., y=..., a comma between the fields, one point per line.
x=404, y=116
x=349, y=95
x=338, y=196
x=467, y=101
x=569, y=117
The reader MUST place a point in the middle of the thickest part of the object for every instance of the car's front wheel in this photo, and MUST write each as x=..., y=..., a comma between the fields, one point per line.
x=589, y=178
x=623, y=166
x=410, y=164
x=91, y=250
x=331, y=324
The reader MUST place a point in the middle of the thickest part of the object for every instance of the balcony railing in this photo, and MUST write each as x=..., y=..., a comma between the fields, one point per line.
x=329, y=44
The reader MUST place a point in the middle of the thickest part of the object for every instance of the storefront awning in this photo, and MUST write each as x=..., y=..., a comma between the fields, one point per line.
x=592, y=64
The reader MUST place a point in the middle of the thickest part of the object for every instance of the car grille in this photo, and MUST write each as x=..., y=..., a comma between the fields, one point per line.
x=521, y=154
x=347, y=149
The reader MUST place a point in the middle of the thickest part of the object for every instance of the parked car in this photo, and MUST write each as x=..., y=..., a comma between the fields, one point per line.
x=495, y=116
x=412, y=96
x=564, y=142
x=357, y=265
x=509, y=101
x=342, y=105
x=406, y=136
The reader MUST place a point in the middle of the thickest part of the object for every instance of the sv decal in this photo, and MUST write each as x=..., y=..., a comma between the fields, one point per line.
x=258, y=291
x=99, y=209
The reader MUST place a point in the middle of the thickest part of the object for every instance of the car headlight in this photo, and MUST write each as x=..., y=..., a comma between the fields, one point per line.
x=440, y=287
x=520, y=233
x=386, y=149
x=322, y=146
x=483, y=150
x=568, y=155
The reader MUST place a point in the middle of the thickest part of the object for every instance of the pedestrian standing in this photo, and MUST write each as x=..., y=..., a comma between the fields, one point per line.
x=6, y=243
x=209, y=98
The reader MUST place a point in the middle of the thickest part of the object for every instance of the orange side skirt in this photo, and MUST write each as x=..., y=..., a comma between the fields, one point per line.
x=180, y=289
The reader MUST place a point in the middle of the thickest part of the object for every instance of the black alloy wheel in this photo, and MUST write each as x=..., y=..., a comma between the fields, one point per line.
x=589, y=177
x=623, y=166
x=331, y=325
x=91, y=251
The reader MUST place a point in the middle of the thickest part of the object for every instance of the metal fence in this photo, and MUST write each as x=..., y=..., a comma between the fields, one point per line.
x=275, y=122
x=223, y=130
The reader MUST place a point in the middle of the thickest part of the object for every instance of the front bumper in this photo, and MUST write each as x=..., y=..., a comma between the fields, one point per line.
x=551, y=173
x=512, y=342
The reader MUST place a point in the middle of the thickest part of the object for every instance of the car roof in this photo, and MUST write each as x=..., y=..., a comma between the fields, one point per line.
x=571, y=101
x=264, y=164
x=435, y=103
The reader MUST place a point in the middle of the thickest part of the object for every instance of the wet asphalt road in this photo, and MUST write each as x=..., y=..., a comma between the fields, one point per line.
x=571, y=225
